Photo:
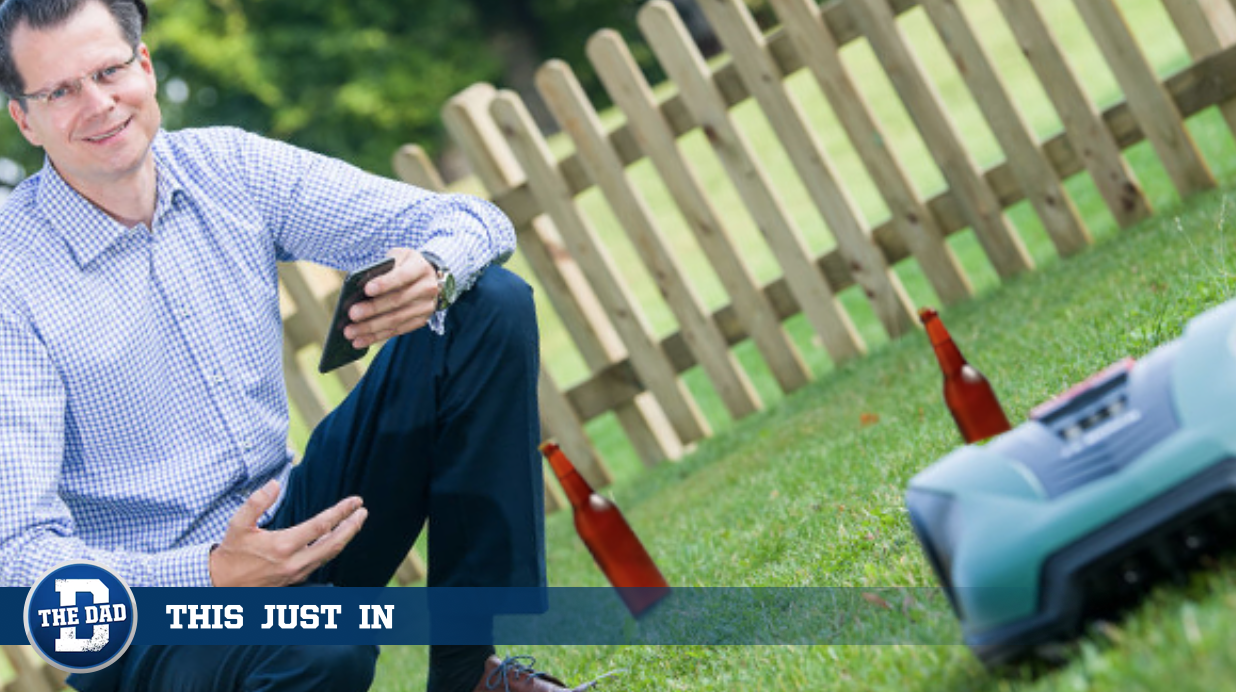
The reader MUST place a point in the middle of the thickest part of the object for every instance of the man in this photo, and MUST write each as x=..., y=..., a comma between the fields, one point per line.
x=143, y=419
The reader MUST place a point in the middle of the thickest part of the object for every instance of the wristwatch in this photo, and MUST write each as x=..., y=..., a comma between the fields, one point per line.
x=448, y=291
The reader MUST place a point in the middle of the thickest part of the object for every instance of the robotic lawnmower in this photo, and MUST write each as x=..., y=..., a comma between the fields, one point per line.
x=1125, y=481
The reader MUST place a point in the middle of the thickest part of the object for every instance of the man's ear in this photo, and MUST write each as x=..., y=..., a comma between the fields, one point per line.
x=144, y=59
x=19, y=116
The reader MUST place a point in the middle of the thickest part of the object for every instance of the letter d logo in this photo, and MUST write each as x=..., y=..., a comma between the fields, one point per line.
x=62, y=621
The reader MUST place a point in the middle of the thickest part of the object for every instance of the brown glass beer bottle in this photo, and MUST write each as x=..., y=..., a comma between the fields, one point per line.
x=967, y=392
x=609, y=538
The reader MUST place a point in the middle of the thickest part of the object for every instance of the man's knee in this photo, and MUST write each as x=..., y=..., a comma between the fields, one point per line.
x=499, y=308
x=503, y=293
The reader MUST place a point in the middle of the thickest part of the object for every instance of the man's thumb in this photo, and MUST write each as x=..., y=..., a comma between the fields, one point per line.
x=261, y=500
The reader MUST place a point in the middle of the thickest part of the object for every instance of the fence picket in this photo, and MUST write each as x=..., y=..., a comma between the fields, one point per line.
x=669, y=39
x=1147, y=100
x=738, y=32
x=565, y=98
x=978, y=203
x=412, y=165
x=467, y=118
x=916, y=226
x=1037, y=178
x=626, y=85
x=1206, y=27
x=555, y=198
x=563, y=425
x=1084, y=127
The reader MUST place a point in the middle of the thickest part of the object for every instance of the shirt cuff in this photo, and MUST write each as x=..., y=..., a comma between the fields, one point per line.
x=187, y=566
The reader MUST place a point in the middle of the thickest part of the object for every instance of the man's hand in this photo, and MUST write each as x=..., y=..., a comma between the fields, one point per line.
x=400, y=301
x=251, y=556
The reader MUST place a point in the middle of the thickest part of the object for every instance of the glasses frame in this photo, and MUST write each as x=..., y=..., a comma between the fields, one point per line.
x=75, y=85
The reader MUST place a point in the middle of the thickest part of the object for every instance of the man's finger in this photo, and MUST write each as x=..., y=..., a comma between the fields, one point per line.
x=424, y=291
x=398, y=322
x=322, y=523
x=256, y=505
x=328, y=547
x=409, y=267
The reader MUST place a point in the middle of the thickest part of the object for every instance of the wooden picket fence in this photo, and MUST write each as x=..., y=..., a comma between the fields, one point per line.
x=633, y=373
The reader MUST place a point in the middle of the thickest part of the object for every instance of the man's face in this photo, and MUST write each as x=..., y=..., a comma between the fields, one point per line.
x=101, y=134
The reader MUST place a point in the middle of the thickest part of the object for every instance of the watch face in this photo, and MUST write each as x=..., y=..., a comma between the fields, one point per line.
x=446, y=289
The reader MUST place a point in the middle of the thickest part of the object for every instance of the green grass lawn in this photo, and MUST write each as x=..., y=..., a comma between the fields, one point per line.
x=809, y=493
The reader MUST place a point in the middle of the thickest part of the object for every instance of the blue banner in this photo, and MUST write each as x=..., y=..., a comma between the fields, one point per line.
x=513, y=616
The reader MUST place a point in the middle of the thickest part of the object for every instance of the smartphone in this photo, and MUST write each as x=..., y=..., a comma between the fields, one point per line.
x=338, y=351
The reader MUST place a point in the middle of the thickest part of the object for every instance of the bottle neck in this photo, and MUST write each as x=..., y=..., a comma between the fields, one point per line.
x=576, y=488
x=951, y=360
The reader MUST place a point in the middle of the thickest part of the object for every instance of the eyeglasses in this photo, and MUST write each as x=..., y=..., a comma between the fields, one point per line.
x=67, y=92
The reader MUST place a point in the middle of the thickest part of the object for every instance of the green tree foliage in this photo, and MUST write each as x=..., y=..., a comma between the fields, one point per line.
x=351, y=79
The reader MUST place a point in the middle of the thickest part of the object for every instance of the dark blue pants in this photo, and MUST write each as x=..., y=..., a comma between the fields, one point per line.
x=440, y=427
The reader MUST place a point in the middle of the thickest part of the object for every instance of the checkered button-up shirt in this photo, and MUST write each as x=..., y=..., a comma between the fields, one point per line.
x=141, y=381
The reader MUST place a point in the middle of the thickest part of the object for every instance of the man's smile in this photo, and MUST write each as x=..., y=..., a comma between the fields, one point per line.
x=104, y=136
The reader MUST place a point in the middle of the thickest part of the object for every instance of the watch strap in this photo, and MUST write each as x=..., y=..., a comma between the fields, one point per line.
x=446, y=281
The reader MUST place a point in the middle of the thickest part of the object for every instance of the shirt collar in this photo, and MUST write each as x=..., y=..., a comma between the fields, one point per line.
x=87, y=229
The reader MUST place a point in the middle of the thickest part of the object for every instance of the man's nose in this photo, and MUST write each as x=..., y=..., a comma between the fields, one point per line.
x=94, y=98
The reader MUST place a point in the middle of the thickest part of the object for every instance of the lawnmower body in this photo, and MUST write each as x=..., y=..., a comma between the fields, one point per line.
x=1124, y=481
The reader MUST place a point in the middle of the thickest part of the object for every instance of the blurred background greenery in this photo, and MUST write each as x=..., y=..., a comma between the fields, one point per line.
x=348, y=79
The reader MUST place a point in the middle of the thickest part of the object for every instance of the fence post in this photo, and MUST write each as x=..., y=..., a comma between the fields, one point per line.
x=302, y=390
x=564, y=426
x=468, y=120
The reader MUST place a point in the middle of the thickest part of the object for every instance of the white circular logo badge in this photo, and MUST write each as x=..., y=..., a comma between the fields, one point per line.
x=80, y=617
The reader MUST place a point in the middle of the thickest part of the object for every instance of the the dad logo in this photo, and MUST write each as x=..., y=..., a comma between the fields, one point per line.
x=80, y=617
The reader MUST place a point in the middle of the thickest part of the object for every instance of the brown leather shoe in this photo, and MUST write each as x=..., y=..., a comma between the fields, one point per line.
x=512, y=674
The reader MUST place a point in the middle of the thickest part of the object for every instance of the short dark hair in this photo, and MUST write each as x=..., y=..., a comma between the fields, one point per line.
x=130, y=16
